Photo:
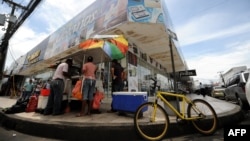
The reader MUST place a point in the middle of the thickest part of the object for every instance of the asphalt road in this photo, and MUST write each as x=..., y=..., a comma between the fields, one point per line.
x=218, y=136
x=10, y=135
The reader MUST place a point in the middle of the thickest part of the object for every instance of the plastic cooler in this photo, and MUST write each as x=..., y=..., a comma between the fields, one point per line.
x=128, y=101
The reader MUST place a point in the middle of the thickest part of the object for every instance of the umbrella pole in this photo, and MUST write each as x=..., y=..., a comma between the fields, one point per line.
x=101, y=66
x=82, y=74
x=99, y=79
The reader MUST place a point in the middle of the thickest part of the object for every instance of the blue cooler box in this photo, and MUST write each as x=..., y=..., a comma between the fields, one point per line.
x=128, y=101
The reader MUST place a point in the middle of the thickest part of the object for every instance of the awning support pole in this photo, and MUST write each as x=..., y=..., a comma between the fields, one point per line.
x=173, y=68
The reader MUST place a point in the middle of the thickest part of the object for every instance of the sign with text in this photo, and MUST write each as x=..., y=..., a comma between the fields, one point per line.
x=187, y=73
x=237, y=132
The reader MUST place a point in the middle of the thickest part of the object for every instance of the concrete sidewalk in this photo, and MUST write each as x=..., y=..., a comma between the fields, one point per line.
x=103, y=126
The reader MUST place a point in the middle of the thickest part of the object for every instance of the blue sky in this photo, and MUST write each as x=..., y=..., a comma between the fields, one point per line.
x=214, y=35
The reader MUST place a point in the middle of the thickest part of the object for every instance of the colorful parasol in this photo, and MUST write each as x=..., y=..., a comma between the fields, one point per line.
x=94, y=48
x=114, y=46
x=92, y=43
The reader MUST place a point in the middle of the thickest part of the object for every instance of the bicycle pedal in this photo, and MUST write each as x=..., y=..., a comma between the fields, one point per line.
x=181, y=121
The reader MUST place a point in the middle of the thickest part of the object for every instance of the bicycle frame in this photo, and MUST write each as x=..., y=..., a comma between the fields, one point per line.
x=185, y=100
x=152, y=116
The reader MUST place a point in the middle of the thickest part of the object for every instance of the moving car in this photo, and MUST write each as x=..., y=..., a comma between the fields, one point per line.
x=218, y=92
x=235, y=89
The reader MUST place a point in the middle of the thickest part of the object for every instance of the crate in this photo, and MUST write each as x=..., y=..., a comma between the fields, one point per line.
x=42, y=102
x=128, y=101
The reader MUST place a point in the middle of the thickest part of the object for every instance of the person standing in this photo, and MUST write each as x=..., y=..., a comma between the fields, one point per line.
x=56, y=88
x=202, y=89
x=88, y=86
x=47, y=84
x=38, y=87
x=27, y=90
x=117, y=80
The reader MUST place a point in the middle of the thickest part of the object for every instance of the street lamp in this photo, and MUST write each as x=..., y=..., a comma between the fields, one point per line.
x=222, y=78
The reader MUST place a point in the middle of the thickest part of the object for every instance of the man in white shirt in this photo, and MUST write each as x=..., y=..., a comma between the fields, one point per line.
x=56, y=88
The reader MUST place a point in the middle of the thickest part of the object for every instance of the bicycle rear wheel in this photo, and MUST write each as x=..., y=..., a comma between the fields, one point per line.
x=206, y=125
x=151, y=121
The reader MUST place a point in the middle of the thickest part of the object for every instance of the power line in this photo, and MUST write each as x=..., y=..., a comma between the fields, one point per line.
x=14, y=25
x=11, y=53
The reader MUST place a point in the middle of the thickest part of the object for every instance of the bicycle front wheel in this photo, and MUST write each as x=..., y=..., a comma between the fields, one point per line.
x=207, y=124
x=151, y=121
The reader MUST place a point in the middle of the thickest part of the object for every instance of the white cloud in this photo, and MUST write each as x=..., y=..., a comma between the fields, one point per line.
x=23, y=41
x=205, y=28
x=57, y=13
x=210, y=64
x=54, y=13
x=212, y=28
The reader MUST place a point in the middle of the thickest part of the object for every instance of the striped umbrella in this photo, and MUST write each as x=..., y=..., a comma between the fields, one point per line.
x=115, y=46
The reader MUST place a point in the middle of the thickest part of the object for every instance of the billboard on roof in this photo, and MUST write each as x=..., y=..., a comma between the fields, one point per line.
x=99, y=16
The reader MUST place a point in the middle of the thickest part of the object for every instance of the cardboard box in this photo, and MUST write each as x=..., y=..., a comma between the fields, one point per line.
x=128, y=101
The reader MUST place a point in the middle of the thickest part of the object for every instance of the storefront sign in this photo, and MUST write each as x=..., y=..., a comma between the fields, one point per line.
x=187, y=73
x=34, y=57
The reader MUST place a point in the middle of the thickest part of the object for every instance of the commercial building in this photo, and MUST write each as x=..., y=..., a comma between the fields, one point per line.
x=153, y=46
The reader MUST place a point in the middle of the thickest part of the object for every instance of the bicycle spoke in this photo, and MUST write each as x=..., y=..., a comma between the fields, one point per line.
x=149, y=126
x=207, y=121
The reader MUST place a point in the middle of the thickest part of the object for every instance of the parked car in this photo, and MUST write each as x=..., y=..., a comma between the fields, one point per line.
x=235, y=89
x=218, y=92
x=248, y=91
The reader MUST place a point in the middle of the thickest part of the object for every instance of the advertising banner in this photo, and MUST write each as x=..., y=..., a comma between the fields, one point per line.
x=146, y=11
x=36, y=54
x=99, y=16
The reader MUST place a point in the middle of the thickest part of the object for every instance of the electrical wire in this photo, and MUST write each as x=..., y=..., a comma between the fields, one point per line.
x=11, y=54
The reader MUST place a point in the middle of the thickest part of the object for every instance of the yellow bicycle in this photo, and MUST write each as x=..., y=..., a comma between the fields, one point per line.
x=151, y=120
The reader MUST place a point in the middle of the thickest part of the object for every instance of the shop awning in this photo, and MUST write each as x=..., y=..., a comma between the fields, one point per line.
x=153, y=40
x=76, y=53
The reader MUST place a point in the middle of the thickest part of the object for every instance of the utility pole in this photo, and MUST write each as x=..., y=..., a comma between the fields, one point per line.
x=5, y=42
x=13, y=26
x=222, y=78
